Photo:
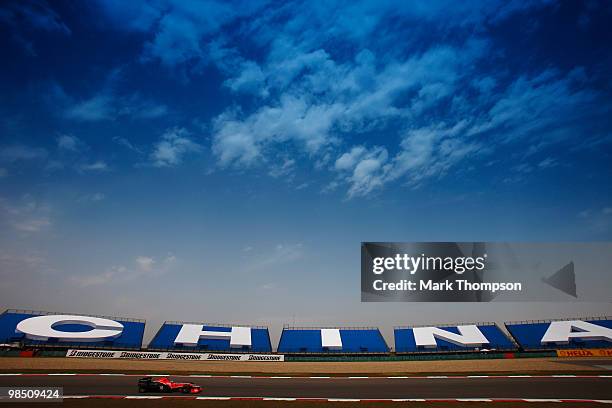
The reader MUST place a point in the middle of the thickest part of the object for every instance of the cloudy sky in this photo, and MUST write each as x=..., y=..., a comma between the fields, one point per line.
x=218, y=161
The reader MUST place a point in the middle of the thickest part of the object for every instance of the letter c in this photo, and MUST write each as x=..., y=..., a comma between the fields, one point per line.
x=42, y=328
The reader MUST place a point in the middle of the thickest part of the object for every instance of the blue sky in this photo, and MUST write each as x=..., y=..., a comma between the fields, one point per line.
x=245, y=149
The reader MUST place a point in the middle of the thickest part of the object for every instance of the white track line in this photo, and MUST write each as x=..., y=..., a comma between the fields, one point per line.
x=503, y=400
x=444, y=377
x=474, y=400
x=409, y=400
x=214, y=398
x=279, y=399
x=542, y=400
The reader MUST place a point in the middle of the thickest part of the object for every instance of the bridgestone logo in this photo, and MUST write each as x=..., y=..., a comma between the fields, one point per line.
x=223, y=357
x=92, y=354
x=150, y=355
x=141, y=356
x=173, y=356
x=264, y=358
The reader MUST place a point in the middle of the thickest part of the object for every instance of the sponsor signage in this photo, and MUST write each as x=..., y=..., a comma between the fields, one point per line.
x=585, y=353
x=151, y=355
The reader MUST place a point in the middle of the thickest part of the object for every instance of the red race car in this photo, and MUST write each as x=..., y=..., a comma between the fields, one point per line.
x=164, y=384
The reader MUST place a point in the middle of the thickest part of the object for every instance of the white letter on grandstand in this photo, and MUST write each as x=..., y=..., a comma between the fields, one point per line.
x=561, y=332
x=41, y=328
x=190, y=335
x=470, y=335
x=331, y=339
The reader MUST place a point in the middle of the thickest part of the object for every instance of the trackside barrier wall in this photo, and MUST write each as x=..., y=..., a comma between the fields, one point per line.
x=405, y=341
x=167, y=334
x=130, y=337
x=424, y=357
x=345, y=340
x=530, y=335
x=171, y=355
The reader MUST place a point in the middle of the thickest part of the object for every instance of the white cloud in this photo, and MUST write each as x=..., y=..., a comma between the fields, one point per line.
x=431, y=151
x=364, y=170
x=68, y=142
x=179, y=32
x=142, y=266
x=172, y=147
x=122, y=141
x=284, y=253
x=105, y=104
x=349, y=160
x=96, y=108
x=548, y=163
x=105, y=277
x=93, y=198
x=98, y=197
x=108, y=106
x=599, y=220
x=283, y=169
x=15, y=153
x=27, y=216
x=335, y=99
x=424, y=153
x=97, y=166
x=533, y=105
x=281, y=254
x=242, y=142
x=317, y=100
x=250, y=79
x=145, y=263
x=32, y=225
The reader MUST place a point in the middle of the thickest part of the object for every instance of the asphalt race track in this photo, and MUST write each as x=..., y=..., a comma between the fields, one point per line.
x=594, y=387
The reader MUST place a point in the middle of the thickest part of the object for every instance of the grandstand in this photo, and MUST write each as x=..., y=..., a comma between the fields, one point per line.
x=444, y=338
x=130, y=337
x=28, y=329
x=326, y=340
x=212, y=337
x=530, y=334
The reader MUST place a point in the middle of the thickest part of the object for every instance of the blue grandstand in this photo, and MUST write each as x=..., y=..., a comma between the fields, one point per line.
x=354, y=340
x=451, y=338
x=562, y=334
x=130, y=338
x=212, y=337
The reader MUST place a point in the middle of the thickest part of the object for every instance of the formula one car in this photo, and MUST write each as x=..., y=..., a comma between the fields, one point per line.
x=164, y=384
